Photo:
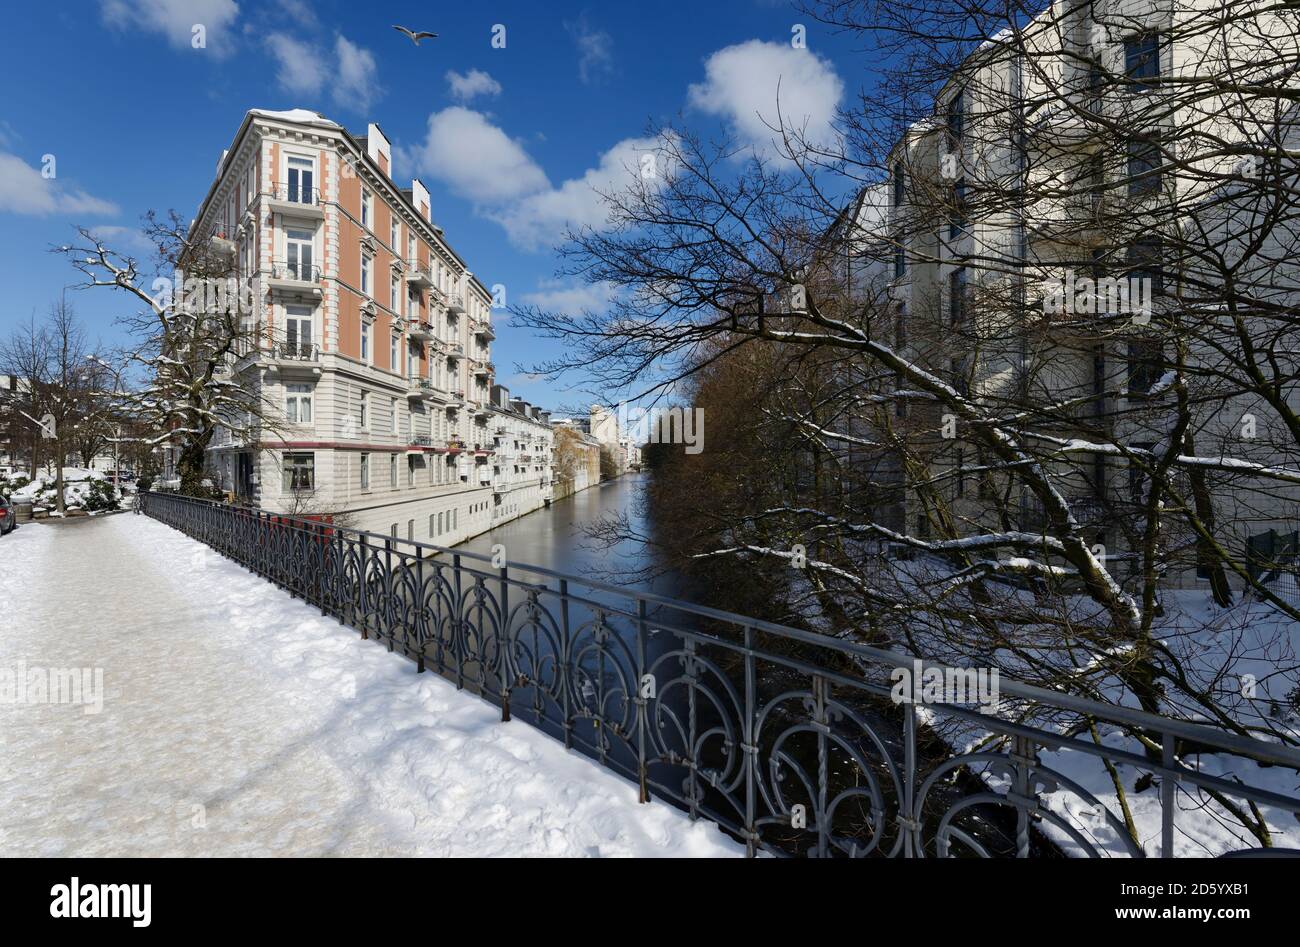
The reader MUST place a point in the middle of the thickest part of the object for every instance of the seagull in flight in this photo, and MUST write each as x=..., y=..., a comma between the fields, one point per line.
x=415, y=37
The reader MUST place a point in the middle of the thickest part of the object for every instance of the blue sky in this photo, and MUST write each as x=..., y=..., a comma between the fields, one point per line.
x=507, y=140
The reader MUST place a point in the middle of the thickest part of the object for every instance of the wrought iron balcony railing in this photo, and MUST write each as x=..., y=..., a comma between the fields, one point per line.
x=298, y=272
x=294, y=194
x=296, y=351
x=787, y=739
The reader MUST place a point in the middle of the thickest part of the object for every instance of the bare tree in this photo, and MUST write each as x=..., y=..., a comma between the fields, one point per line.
x=194, y=322
x=1020, y=344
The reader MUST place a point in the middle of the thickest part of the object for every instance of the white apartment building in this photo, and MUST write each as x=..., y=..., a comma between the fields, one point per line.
x=1085, y=59
x=522, y=448
x=374, y=337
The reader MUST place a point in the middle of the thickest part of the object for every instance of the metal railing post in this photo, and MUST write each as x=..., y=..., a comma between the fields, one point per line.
x=642, y=702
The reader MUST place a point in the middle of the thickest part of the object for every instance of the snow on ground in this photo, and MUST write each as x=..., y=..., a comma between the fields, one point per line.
x=238, y=721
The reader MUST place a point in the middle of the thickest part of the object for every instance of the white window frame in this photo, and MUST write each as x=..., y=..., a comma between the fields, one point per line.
x=299, y=397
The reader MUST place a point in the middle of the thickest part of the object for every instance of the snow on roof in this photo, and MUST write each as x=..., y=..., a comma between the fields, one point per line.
x=302, y=116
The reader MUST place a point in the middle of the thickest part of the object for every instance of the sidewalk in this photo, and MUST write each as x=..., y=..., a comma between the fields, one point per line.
x=238, y=721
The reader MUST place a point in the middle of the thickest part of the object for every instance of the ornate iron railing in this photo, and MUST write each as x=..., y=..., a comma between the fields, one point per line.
x=785, y=738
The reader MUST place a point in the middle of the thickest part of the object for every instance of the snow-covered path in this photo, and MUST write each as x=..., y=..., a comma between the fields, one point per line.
x=238, y=721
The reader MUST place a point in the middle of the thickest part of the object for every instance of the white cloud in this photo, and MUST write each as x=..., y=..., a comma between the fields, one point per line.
x=299, y=66
x=176, y=19
x=476, y=159
x=541, y=219
x=127, y=240
x=24, y=191
x=595, y=49
x=742, y=84
x=475, y=82
x=349, y=73
x=356, y=80
x=558, y=296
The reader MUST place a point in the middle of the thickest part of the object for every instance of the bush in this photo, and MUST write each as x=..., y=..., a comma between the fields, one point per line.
x=102, y=498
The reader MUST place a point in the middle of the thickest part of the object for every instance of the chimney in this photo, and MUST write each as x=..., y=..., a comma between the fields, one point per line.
x=420, y=198
x=378, y=148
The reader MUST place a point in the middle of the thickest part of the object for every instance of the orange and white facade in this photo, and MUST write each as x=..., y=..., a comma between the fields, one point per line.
x=374, y=339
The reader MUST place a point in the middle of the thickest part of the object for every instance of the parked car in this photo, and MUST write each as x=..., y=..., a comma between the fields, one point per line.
x=8, y=519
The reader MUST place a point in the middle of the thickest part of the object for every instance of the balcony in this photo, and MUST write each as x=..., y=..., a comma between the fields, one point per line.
x=1067, y=126
x=418, y=275
x=455, y=305
x=418, y=444
x=482, y=409
x=294, y=357
x=499, y=485
x=295, y=279
x=420, y=332
x=484, y=369
x=484, y=329
x=455, y=350
x=295, y=201
x=417, y=387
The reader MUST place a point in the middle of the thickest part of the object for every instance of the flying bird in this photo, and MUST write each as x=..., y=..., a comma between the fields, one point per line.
x=415, y=37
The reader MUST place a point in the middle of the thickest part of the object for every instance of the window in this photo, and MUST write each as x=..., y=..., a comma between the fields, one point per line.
x=431, y=532
x=1142, y=60
x=395, y=234
x=411, y=255
x=957, y=214
x=392, y=471
x=297, y=404
x=395, y=295
x=298, y=254
x=365, y=471
x=299, y=472
x=957, y=293
x=900, y=262
x=410, y=529
x=957, y=115
x=900, y=184
x=439, y=524
x=410, y=471
x=1094, y=180
x=363, y=413
x=365, y=340
x=1144, y=162
x=900, y=325
x=365, y=207
x=301, y=173
x=298, y=333
x=394, y=345
x=367, y=265
x=1145, y=262
x=1146, y=363
x=392, y=402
